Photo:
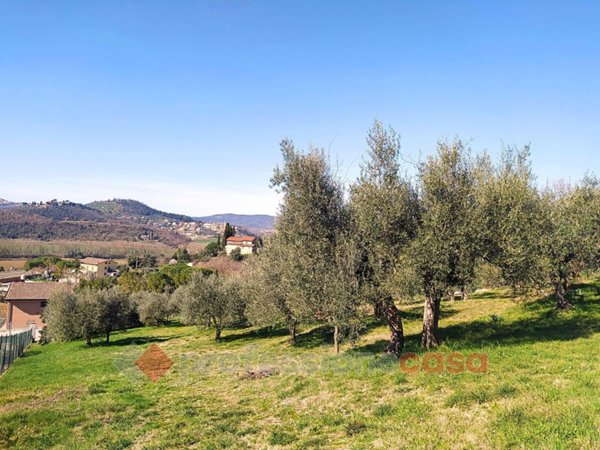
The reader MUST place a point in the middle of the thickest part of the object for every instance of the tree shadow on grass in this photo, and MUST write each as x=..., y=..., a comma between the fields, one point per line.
x=140, y=340
x=492, y=294
x=412, y=343
x=30, y=352
x=322, y=335
x=415, y=313
x=249, y=335
x=543, y=323
x=316, y=337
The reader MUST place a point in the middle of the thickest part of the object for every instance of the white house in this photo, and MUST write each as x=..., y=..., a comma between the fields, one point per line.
x=97, y=267
x=246, y=244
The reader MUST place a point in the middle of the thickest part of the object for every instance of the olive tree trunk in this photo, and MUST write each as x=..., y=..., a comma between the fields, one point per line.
x=560, y=292
x=292, y=330
x=336, y=338
x=394, y=320
x=431, y=316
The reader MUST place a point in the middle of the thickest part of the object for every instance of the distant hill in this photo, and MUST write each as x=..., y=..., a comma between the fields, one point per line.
x=252, y=222
x=72, y=221
x=6, y=203
x=133, y=209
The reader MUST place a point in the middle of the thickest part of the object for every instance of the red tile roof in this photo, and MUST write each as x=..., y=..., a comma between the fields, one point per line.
x=94, y=261
x=11, y=275
x=33, y=291
x=236, y=239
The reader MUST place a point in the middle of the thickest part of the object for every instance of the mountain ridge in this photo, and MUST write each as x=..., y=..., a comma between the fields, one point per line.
x=73, y=221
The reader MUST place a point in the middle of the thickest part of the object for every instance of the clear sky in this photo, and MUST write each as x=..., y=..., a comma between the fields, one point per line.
x=182, y=104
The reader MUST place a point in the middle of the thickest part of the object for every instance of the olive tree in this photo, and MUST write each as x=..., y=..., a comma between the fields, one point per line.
x=88, y=313
x=113, y=310
x=512, y=218
x=448, y=243
x=210, y=300
x=572, y=233
x=311, y=222
x=385, y=217
x=268, y=300
x=61, y=318
x=153, y=308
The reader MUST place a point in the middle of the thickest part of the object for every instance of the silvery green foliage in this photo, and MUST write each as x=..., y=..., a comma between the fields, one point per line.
x=385, y=214
x=310, y=231
x=571, y=236
x=449, y=238
x=153, y=308
x=88, y=313
x=61, y=318
x=268, y=302
x=511, y=218
x=384, y=207
x=210, y=300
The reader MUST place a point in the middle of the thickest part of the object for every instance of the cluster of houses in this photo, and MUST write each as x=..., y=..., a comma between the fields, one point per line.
x=26, y=295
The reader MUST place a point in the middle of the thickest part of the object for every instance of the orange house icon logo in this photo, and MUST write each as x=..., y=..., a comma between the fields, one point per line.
x=154, y=363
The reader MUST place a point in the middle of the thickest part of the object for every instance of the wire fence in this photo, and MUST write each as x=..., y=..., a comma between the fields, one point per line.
x=12, y=346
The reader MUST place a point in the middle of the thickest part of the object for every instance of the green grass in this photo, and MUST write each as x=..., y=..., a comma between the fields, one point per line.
x=205, y=241
x=540, y=390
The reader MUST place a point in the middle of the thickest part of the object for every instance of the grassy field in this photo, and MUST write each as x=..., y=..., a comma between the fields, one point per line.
x=540, y=390
x=199, y=244
x=16, y=263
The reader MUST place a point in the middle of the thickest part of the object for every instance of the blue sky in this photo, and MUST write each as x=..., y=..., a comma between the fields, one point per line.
x=182, y=104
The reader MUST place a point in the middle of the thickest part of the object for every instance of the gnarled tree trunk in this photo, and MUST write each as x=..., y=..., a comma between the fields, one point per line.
x=292, y=330
x=431, y=316
x=560, y=292
x=394, y=320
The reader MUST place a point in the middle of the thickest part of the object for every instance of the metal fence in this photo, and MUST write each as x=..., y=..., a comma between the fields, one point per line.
x=12, y=346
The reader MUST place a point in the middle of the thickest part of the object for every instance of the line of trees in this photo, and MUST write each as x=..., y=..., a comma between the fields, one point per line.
x=95, y=310
x=388, y=236
x=341, y=252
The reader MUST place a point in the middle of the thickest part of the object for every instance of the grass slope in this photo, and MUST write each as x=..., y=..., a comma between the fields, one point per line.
x=540, y=391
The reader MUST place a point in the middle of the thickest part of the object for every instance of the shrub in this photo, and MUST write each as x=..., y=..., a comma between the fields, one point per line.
x=211, y=250
x=159, y=282
x=182, y=255
x=98, y=284
x=210, y=301
x=88, y=313
x=180, y=273
x=153, y=308
x=131, y=281
x=44, y=261
x=236, y=254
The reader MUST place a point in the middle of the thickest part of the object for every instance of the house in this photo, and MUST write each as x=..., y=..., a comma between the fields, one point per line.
x=12, y=275
x=25, y=303
x=246, y=244
x=97, y=267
